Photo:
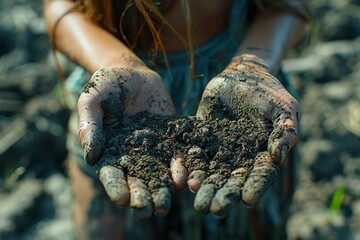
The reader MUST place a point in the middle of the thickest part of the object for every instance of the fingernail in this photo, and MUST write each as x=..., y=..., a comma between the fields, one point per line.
x=94, y=150
x=90, y=157
x=195, y=179
x=194, y=185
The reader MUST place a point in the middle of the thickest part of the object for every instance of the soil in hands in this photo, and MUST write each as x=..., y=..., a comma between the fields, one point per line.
x=145, y=143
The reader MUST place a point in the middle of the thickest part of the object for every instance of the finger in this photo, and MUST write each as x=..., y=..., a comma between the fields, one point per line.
x=285, y=133
x=260, y=178
x=203, y=198
x=227, y=196
x=90, y=132
x=178, y=172
x=115, y=185
x=140, y=198
x=162, y=201
x=206, y=192
x=195, y=179
x=210, y=97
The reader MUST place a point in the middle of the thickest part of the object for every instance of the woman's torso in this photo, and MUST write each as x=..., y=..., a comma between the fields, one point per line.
x=208, y=18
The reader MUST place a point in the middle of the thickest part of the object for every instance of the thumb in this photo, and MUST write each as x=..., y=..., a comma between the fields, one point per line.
x=285, y=132
x=90, y=131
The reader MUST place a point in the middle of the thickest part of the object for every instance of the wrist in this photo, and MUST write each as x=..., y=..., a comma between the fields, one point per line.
x=253, y=60
x=129, y=60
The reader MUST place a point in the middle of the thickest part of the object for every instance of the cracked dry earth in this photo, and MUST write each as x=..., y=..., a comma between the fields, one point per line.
x=145, y=143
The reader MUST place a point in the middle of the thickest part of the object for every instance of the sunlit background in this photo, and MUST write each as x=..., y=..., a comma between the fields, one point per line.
x=35, y=193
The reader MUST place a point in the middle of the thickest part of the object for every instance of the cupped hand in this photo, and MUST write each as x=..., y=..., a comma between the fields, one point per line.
x=111, y=94
x=247, y=86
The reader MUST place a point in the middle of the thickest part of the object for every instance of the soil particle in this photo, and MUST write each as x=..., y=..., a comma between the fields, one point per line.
x=140, y=150
x=145, y=143
x=89, y=85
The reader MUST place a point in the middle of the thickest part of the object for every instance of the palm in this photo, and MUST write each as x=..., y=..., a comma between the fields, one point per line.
x=251, y=89
x=111, y=94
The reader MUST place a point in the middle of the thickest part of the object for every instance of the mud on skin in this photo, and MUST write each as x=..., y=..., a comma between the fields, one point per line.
x=143, y=145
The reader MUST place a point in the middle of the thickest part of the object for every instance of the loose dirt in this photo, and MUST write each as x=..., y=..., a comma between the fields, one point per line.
x=145, y=143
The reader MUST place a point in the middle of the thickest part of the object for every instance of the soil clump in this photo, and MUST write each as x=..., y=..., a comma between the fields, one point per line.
x=145, y=143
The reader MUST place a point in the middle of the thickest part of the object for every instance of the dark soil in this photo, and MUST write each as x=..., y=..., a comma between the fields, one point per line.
x=145, y=143
x=325, y=70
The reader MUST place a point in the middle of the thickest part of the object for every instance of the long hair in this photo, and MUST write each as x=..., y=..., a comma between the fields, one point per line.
x=147, y=19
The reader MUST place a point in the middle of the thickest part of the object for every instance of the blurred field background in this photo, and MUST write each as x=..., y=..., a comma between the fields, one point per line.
x=35, y=193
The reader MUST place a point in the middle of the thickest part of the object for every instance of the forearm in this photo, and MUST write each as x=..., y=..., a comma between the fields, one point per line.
x=83, y=41
x=270, y=36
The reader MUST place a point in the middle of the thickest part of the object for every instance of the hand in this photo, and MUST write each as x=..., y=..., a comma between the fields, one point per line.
x=111, y=94
x=248, y=85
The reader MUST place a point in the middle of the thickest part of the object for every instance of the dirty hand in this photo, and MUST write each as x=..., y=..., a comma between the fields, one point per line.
x=248, y=85
x=111, y=93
